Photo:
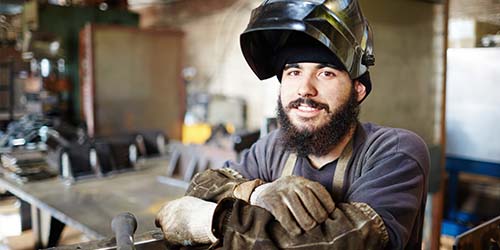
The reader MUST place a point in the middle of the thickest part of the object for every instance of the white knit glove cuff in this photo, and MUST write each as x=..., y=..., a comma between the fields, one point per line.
x=201, y=225
x=257, y=191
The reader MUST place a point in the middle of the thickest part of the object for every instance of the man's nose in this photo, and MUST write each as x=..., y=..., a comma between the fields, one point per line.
x=307, y=88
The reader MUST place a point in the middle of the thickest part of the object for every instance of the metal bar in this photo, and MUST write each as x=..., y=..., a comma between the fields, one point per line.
x=484, y=236
x=148, y=240
x=472, y=166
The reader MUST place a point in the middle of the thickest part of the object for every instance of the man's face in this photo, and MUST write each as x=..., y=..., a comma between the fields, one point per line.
x=324, y=88
x=318, y=105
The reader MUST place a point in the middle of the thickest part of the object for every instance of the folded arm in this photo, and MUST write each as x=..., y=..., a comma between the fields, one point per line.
x=239, y=225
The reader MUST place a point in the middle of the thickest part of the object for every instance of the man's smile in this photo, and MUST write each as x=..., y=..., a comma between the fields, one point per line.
x=305, y=111
x=306, y=108
x=307, y=105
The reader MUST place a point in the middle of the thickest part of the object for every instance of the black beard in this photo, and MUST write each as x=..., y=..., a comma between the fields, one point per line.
x=319, y=141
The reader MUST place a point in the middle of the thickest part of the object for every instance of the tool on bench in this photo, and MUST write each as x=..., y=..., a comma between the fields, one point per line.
x=124, y=226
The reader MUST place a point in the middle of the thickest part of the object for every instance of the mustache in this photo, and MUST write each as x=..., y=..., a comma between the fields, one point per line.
x=309, y=102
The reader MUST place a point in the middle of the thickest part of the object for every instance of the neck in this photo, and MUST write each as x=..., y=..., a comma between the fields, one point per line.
x=319, y=161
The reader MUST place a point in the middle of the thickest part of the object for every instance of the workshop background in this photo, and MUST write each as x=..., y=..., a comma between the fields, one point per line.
x=93, y=92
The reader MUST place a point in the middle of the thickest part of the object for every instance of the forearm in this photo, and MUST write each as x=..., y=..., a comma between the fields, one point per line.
x=239, y=225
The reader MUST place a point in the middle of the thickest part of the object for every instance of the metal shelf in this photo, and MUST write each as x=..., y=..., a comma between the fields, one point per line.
x=455, y=166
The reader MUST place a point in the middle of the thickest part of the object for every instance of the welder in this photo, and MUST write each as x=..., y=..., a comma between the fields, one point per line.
x=323, y=180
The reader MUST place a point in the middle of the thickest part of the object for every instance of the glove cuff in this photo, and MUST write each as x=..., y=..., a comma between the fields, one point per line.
x=208, y=227
x=244, y=190
x=202, y=226
x=258, y=190
x=222, y=215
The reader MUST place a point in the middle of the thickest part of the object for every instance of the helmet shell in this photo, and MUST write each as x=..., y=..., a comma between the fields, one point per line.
x=337, y=24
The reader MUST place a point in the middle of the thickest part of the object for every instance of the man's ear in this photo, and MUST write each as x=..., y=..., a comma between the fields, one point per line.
x=360, y=90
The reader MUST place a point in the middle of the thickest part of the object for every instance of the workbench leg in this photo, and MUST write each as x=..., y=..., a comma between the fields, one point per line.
x=46, y=229
x=25, y=211
x=56, y=228
x=36, y=226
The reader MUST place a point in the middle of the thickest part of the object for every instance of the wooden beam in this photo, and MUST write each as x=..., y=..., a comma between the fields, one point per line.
x=438, y=197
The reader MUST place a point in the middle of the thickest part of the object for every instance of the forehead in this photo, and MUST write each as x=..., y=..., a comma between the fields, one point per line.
x=310, y=65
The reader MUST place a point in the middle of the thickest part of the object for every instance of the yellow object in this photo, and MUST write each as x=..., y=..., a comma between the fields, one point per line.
x=196, y=133
x=230, y=128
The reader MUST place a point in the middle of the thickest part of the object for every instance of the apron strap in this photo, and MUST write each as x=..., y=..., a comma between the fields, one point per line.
x=289, y=165
x=340, y=169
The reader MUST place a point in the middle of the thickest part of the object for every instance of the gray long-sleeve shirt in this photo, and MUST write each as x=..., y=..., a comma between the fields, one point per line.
x=388, y=171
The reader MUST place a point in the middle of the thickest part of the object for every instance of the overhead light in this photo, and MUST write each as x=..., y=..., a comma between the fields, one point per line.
x=45, y=67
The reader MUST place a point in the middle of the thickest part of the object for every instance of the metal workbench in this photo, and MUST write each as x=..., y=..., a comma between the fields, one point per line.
x=90, y=205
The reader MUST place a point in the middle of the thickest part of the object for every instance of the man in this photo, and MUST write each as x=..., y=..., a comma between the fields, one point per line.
x=323, y=180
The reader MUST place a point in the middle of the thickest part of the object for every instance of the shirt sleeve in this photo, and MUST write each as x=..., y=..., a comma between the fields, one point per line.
x=393, y=182
x=394, y=188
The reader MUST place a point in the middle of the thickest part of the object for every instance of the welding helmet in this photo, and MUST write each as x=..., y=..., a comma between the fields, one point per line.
x=339, y=25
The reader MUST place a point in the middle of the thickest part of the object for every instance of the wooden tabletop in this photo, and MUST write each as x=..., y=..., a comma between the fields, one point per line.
x=90, y=205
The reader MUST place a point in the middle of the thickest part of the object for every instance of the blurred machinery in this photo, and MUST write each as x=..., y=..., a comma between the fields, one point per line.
x=46, y=38
x=27, y=132
x=22, y=149
x=76, y=156
x=196, y=127
x=218, y=121
x=39, y=53
x=35, y=148
x=24, y=166
x=50, y=42
x=206, y=113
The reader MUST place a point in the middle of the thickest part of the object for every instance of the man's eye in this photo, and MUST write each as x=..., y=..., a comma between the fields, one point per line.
x=293, y=73
x=327, y=74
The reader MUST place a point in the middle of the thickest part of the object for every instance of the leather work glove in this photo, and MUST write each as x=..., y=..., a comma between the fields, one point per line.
x=187, y=221
x=244, y=190
x=295, y=202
